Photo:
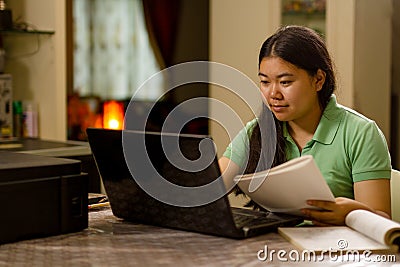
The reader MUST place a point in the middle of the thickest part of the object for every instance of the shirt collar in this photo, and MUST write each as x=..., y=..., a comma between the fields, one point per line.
x=327, y=126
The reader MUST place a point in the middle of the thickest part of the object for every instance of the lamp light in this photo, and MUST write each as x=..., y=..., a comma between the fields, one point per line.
x=113, y=115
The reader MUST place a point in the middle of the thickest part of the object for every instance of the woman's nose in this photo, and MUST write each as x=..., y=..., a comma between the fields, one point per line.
x=275, y=91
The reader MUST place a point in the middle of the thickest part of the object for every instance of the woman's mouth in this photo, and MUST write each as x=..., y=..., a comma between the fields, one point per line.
x=278, y=108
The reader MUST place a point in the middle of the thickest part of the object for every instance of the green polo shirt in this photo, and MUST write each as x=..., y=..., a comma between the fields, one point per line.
x=347, y=147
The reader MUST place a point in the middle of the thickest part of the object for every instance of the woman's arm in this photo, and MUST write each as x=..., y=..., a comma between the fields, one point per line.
x=371, y=195
x=229, y=170
x=375, y=194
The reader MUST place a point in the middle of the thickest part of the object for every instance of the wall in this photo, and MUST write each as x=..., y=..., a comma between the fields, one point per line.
x=342, y=28
x=237, y=30
x=40, y=77
x=359, y=39
x=395, y=120
x=373, y=60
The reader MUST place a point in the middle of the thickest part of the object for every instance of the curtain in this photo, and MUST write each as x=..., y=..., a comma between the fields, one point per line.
x=112, y=53
x=162, y=18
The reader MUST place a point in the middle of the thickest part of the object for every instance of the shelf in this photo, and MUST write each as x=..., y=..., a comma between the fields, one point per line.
x=18, y=31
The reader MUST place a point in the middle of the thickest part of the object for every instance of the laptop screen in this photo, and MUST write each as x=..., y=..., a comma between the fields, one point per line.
x=130, y=201
x=180, y=170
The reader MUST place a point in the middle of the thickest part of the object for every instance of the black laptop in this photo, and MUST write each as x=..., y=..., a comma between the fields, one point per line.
x=127, y=185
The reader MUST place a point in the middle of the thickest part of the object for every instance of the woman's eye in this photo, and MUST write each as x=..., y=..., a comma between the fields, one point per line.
x=286, y=82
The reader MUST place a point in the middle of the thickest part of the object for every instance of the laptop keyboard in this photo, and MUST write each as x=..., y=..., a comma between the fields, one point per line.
x=245, y=217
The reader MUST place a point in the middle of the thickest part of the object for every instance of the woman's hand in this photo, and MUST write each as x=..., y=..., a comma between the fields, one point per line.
x=371, y=195
x=333, y=213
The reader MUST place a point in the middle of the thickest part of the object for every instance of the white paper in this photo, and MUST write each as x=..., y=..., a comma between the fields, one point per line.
x=287, y=187
x=373, y=225
x=329, y=238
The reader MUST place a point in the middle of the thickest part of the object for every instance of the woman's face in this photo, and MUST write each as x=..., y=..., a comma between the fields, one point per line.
x=290, y=92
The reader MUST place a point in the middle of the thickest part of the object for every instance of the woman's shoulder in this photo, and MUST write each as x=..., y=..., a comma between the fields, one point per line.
x=247, y=130
x=355, y=120
x=345, y=115
x=249, y=126
x=357, y=126
x=352, y=122
x=355, y=116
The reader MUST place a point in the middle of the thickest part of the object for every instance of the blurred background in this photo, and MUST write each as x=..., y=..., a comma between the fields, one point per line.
x=79, y=62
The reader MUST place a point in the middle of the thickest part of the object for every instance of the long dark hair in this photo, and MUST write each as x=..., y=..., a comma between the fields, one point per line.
x=305, y=49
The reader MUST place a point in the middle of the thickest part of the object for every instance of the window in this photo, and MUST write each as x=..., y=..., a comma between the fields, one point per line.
x=112, y=51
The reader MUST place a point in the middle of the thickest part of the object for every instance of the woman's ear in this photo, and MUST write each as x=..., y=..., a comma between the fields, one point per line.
x=319, y=79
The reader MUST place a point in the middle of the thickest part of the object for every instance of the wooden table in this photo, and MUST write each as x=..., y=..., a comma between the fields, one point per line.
x=110, y=241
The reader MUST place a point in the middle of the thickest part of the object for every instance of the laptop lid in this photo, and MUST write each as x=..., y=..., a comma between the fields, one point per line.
x=130, y=197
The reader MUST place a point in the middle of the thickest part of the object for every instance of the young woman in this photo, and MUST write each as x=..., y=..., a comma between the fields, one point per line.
x=297, y=82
